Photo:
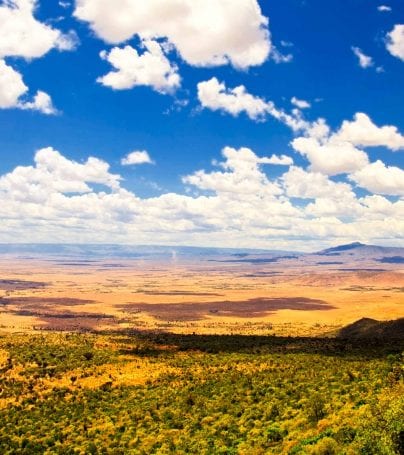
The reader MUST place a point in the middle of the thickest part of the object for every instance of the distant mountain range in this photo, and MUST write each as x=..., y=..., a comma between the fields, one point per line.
x=126, y=251
x=343, y=254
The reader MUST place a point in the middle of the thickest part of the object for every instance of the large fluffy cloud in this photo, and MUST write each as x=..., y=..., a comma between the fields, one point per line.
x=58, y=199
x=13, y=89
x=21, y=35
x=330, y=156
x=312, y=185
x=53, y=173
x=338, y=152
x=204, y=32
x=151, y=68
x=363, y=132
x=11, y=86
x=395, y=41
x=330, y=153
x=333, y=156
x=242, y=174
x=379, y=178
x=214, y=95
x=328, y=198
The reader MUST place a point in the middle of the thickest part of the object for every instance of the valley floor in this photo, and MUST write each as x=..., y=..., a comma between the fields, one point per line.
x=206, y=357
x=198, y=296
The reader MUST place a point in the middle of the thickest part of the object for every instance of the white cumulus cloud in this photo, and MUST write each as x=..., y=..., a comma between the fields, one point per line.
x=204, y=32
x=363, y=132
x=11, y=86
x=22, y=35
x=150, y=68
x=214, y=95
x=242, y=174
x=53, y=173
x=13, y=89
x=338, y=152
x=329, y=156
x=136, y=157
x=42, y=102
x=395, y=41
x=378, y=178
x=312, y=185
x=59, y=199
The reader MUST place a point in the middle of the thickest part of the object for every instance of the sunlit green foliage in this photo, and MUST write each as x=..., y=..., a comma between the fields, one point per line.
x=214, y=395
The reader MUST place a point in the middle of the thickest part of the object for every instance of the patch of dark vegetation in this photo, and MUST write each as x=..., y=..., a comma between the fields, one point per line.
x=252, y=308
x=392, y=260
x=261, y=274
x=361, y=270
x=114, y=266
x=36, y=302
x=329, y=346
x=254, y=260
x=62, y=315
x=87, y=324
x=329, y=263
x=78, y=264
x=78, y=261
x=359, y=288
x=21, y=285
x=186, y=293
x=372, y=288
x=50, y=313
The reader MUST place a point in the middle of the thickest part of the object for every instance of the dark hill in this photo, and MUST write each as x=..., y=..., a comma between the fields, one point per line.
x=350, y=246
x=384, y=254
x=370, y=328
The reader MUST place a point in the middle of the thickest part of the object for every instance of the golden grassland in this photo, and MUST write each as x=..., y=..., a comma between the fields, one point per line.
x=192, y=297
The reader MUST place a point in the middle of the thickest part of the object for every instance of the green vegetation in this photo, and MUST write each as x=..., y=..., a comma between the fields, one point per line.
x=179, y=394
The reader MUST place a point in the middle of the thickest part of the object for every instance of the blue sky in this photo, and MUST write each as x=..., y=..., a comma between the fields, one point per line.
x=211, y=164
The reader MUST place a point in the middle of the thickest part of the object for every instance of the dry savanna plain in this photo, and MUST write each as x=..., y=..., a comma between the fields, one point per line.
x=209, y=295
x=183, y=351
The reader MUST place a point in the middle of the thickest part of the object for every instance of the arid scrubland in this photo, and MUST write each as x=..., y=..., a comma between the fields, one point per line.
x=135, y=356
